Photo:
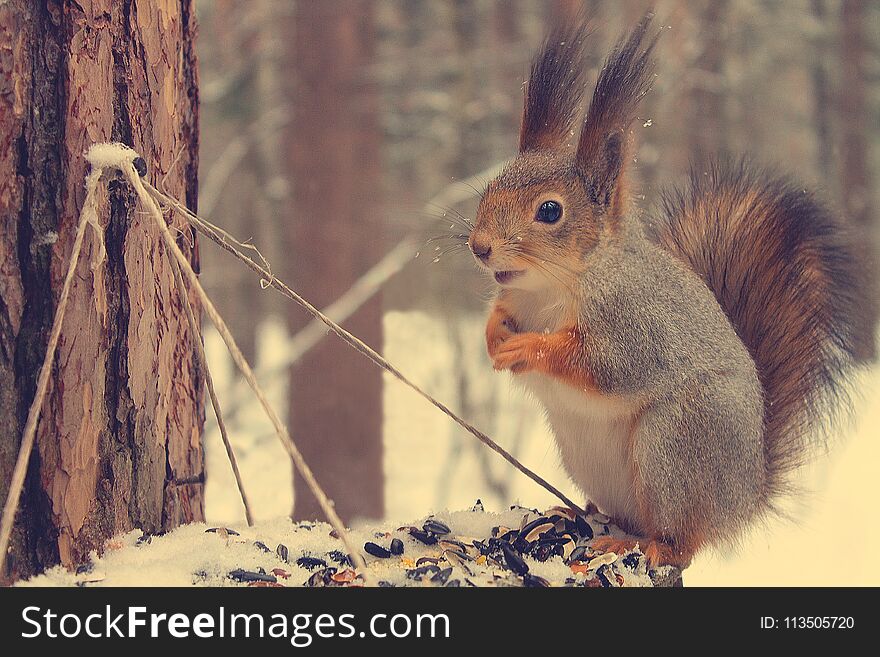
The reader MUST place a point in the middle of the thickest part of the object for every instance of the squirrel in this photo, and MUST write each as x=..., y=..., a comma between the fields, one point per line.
x=683, y=362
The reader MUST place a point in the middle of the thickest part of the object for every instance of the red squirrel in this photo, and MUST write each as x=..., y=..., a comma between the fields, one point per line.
x=685, y=360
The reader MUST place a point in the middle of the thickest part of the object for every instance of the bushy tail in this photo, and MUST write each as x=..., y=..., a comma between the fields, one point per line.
x=782, y=270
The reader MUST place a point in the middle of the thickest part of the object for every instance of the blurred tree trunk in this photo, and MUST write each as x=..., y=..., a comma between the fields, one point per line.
x=118, y=444
x=855, y=177
x=707, y=130
x=470, y=101
x=237, y=197
x=271, y=184
x=855, y=180
x=822, y=106
x=564, y=11
x=335, y=235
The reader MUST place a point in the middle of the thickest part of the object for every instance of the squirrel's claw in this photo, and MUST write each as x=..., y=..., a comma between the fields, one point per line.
x=499, y=329
x=657, y=553
x=517, y=353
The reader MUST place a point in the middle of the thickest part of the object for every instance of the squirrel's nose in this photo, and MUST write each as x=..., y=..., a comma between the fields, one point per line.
x=481, y=249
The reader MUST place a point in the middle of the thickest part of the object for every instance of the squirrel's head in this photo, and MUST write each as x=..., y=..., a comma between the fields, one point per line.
x=551, y=206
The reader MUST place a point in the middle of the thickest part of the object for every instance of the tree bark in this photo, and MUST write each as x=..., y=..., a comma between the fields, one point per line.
x=335, y=235
x=119, y=441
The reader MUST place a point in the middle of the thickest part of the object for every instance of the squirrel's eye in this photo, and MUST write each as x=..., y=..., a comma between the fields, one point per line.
x=549, y=212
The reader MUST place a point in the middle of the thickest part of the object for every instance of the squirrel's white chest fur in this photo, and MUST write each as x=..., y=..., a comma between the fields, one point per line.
x=592, y=431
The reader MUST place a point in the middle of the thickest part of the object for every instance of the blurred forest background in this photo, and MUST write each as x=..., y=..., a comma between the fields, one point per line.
x=329, y=126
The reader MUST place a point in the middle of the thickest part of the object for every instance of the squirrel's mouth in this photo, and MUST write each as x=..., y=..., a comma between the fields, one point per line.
x=503, y=277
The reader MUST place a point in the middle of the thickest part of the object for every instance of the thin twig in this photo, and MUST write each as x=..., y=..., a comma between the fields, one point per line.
x=224, y=241
x=238, y=358
x=365, y=287
x=87, y=216
x=346, y=305
x=199, y=349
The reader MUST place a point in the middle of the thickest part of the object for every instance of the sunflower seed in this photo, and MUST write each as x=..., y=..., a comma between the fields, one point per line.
x=323, y=577
x=522, y=546
x=631, y=560
x=478, y=507
x=262, y=546
x=434, y=526
x=340, y=557
x=535, y=528
x=240, y=575
x=222, y=530
x=376, y=550
x=562, y=511
x=543, y=552
x=578, y=554
x=310, y=563
x=583, y=527
x=603, y=577
x=423, y=537
x=533, y=581
x=282, y=552
x=451, y=544
x=442, y=576
x=452, y=555
x=604, y=559
x=514, y=561
x=396, y=546
x=535, y=532
x=418, y=573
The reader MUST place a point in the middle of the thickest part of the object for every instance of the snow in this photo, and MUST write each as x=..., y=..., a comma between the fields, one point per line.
x=432, y=464
x=422, y=476
x=202, y=555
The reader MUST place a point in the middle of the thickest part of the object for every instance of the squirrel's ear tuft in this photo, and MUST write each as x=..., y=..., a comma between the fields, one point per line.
x=625, y=78
x=554, y=90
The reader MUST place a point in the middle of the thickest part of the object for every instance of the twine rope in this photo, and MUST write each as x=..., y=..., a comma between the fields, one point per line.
x=88, y=217
x=268, y=279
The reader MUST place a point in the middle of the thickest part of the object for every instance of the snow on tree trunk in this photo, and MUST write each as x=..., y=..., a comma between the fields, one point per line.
x=119, y=440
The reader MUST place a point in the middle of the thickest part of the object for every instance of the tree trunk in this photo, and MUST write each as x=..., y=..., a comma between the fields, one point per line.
x=707, y=129
x=855, y=179
x=335, y=235
x=119, y=440
x=821, y=107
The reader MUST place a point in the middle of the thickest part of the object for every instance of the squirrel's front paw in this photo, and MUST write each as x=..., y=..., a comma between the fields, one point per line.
x=518, y=353
x=499, y=329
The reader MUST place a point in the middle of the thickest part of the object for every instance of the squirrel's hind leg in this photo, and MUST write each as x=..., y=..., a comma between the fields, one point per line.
x=698, y=467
